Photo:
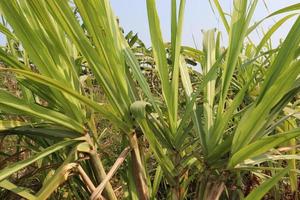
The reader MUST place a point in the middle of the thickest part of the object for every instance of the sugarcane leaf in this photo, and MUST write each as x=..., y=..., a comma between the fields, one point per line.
x=237, y=33
x=176, y=48
x=22, y=192
x=261, y=190
x=101, y=66
x=222, y=15
x=159, y=53
x=268, y=158
x=222, y=119
x=6, y=124
x=191, y=95
x=294, y=7
x=290, y=8
x=209, y=93
x=284, y=68
x=7, y=32
x=261, y=146
x=271, y=31
x=60, y=175
x=101, y=108
x=6, y=172
x=12, y=104
x=41, y=130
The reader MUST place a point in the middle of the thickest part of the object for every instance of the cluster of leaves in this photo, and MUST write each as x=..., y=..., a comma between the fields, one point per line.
x=181, y=134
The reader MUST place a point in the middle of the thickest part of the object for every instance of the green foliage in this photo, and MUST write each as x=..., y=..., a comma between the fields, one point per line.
x=192, y=135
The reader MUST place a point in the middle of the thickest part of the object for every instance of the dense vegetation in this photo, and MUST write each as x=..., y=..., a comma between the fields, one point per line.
x=87, y=112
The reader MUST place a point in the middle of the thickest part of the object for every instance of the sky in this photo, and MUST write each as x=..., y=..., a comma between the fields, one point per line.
x=198, y=16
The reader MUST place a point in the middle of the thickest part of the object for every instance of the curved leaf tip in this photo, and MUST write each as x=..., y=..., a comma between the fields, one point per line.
x=139, y=109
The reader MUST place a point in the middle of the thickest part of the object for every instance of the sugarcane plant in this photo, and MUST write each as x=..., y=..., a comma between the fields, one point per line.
x=236, y=129
x=205, y=130
x=64, y=108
